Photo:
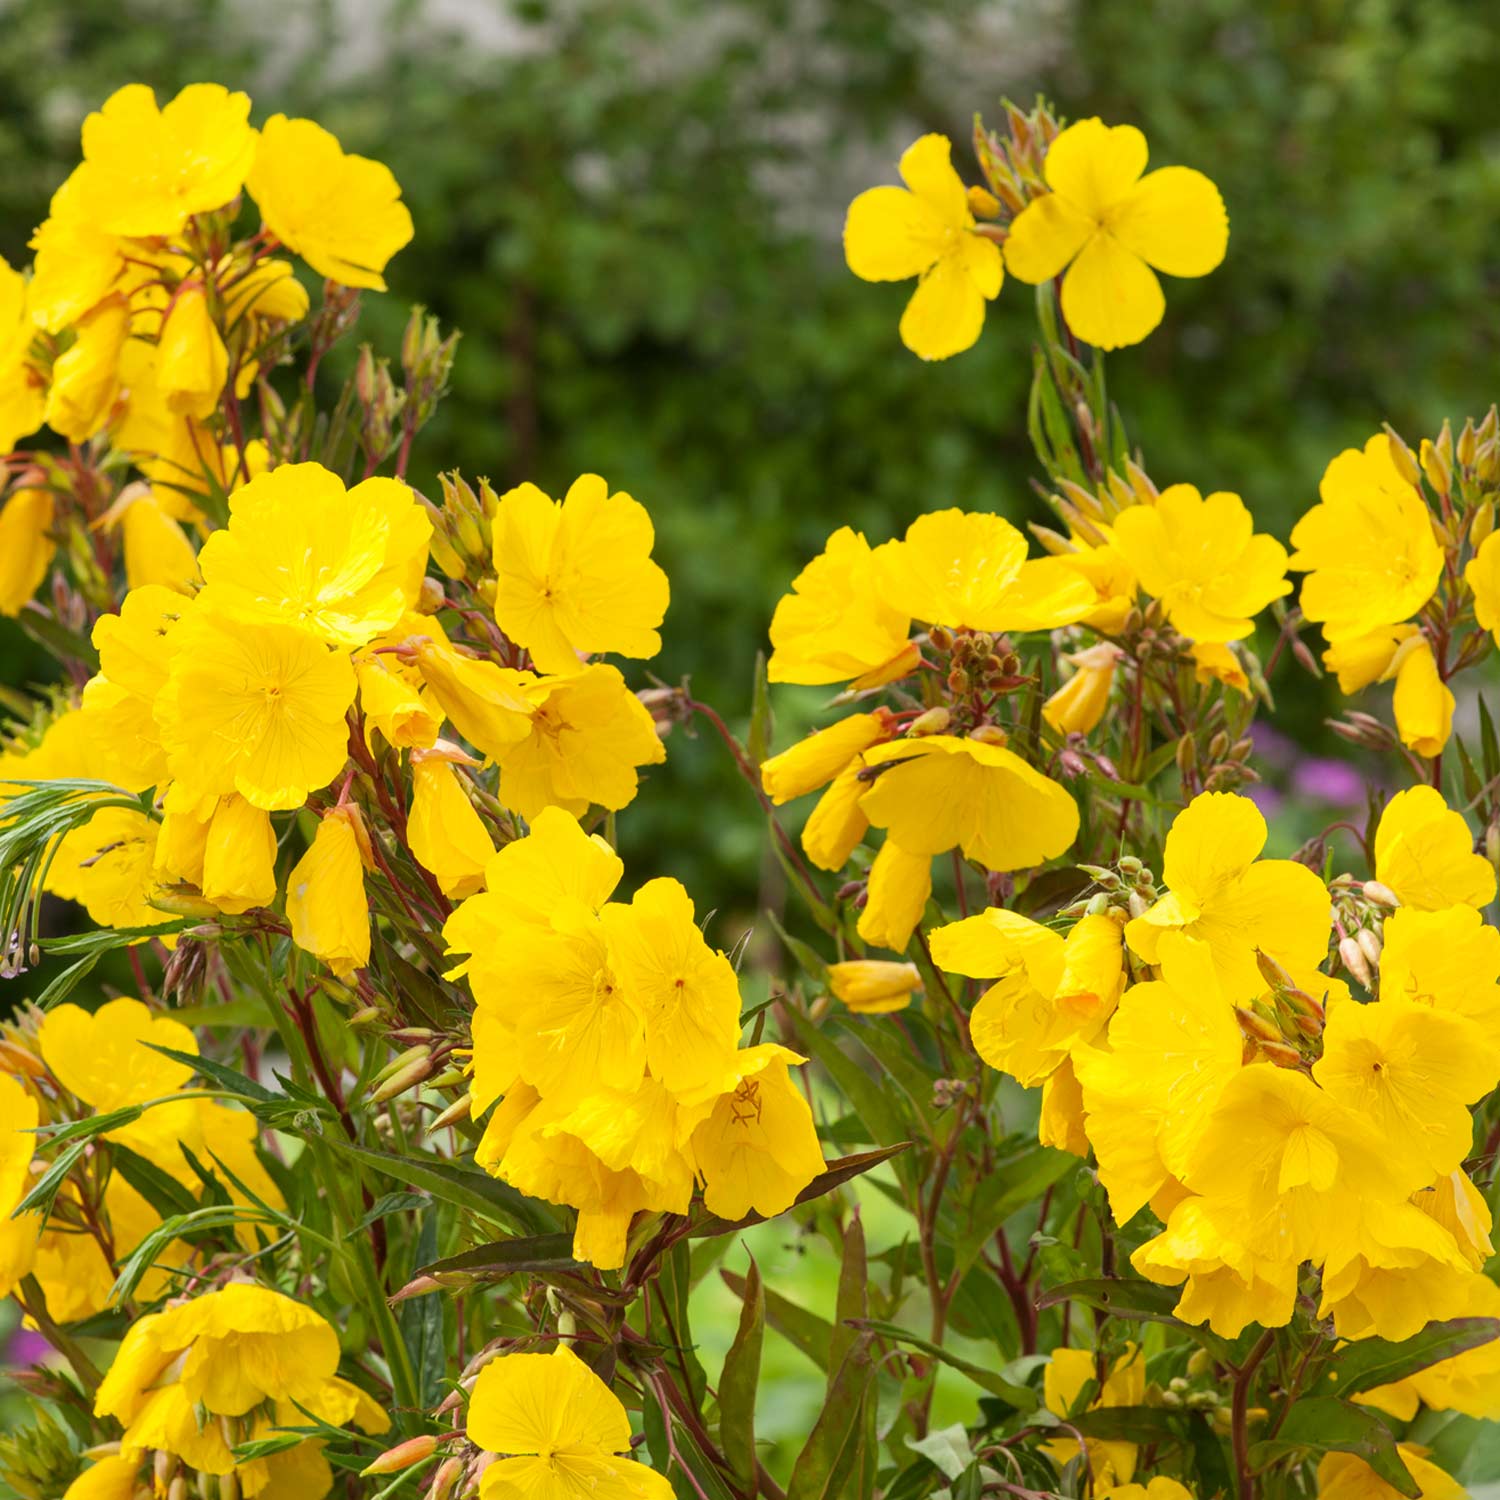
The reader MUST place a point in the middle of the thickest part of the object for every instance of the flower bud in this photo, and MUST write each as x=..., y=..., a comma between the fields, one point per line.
x=990, y=734
x=1482, y=521
x=1435, y=467
x=983, y=204
x=1370, y=945
x=403, y=1455
x=1354, y=960
x=1402, y=457
x=1380, y=895
x=934, y=721
x=1468, y=445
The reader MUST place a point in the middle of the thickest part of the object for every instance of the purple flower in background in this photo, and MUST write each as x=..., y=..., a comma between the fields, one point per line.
x=1266, y=798
x=26, y=1347
x=1272, y=746
x=1334, y=782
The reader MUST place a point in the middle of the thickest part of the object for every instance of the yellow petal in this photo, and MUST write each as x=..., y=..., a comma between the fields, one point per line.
x=927, y=169
x=1045, y=236
x=945, y=314
x=1094, y=165
x=1110, y=296
x=891, y=235
x=1174, y=219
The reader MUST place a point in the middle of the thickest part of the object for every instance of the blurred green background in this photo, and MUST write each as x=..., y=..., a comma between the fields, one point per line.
x=632, y=210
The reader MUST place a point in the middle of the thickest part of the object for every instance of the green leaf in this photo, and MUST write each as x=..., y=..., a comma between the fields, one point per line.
x=836, y=1442
x=541, y=1252
x=804, y=1330
x=420, y=1320
x=1013, y=1184
x=68, y=981
x=739, y=1379
x=838, y=1172
x=809, y=960
x=1324, y=1424
x=1489, y=744
x=86, y=1130
x=233, y=1015
x=226, y=1078
x=1367, y=1363
x=390, y=1203
x=47, y=1187
x=1021, y=1397
x=762, y=723
x=452, y=1182
x=674, y=1282
x=874, y=1104
x=852, y=1300
x=947, y=1449
x=160, y=1189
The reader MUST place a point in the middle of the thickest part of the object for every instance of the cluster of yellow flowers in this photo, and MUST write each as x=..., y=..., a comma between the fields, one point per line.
x=610, y=1031
x=310, y=778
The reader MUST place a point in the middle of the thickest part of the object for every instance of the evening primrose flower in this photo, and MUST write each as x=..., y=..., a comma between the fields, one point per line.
x=896, y=894
x=1173, y=1046
x=757, y=1148
x=837, y=625
x=576, y=578
x=251, y=1360
x=1367, y=547
x=1448, y=959
x=26, y=546
x=1424, y=852
x=1423, y=703
x=254, y=708
x=238, y=868
x=1106, y=230
x=1483, y=576
x=874, y=987
x=1079, y=704
x=1343, y=1476
x=21, y=398
x=1068, y=1371
x=943, y=791
x=969, y=571
x=340, y=212
x=1202, y=558
x=157, y=549
x=300, y=550
x=86, y=378
x=815, y=761
x=444, y=832
x=325, y=894
x=107, y=1057
x=927, y=230
x=561, y=1431
x=192, y=363
x=686, y=992
x=146, y=169
x=1220, y=892
x=18, y=1119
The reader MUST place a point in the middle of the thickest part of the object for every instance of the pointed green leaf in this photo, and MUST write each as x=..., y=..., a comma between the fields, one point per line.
x=739, y=1380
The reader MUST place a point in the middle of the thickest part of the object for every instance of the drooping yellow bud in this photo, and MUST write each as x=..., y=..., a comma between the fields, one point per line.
x=192, y=363
x=446, y=835
x=871, y=987
x=325, y=896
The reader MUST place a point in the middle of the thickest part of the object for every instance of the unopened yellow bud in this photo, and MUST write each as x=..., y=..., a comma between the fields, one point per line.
x=460, y=1109
x=1436, y=468
x=409, y=1077
x=403, y=1455
x=934, y=721
x=1468, y=445
x=983, y=204
x=990, y=734
x=1381, y=895
x=1403, y=458
x=1481, y=522
x=1355, y=961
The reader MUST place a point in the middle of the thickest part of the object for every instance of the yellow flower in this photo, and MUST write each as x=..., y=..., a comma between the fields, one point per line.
x=443, y=831
x=757, y=1148
x=146, y=170
x=836, y=625
x=1363, y=659
x=1388, y=1271
x=1111, y=228
x=391, y=692
x=587, y=736
x=299, y=550
x=1158, y=1487
x=86, y=379
x=1290, y=1162
x=488, y=704
x=18, y=1237
x=1469, y=1382
x=1106, y=572
x=238, y=870
x=1051, y=994
x=874, y=987
x=1367, y=547
x=896, y=895
x=1454, y=1202
x=685, y=992
x=941, y=791
x=1447, y=959
x=325, y=895
x=1221, y=893
x=106, y=866
x=576, y=578
x=1343, y=1476
x=341, y=213
x=1424, y=852
x=969, y=571
x=112, y=1477
x=248, y=1357
x=1412, y=1071
x=192, y=363
x=1213, y=662
x=21, y=399
x=818, y=759
x=105, y=1057
x=1173, y=1046
x=1223, y=1284
x=926, y=230
x=77, y=263
x=1203, y=560
x=837, y=822
x=1423, y=702
x=1068, y=1372
x=1483, y=576
x=157, y=550
x=257, y=709
x=562, y=1430
x=26, y=546
x=1079, y=704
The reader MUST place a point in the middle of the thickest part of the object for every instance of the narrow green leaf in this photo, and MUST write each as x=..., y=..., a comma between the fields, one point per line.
x=539, y=1252
x=762, y=722
x=86, y=1130
x=160, y=1189
x=1021, y=1397
x=390, y=1203
x=675, y=1284
x=45, y=1190
x=1135, y=1301
x=804, y=1330
x=68, y=981
x=852, y=1301
x=875, y=1105
x=739, y=1379
x=834, y=1445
